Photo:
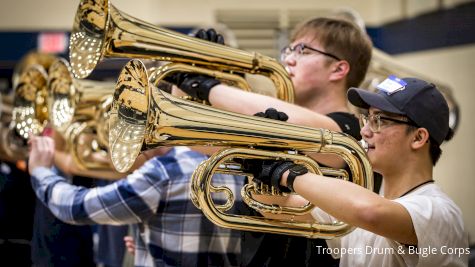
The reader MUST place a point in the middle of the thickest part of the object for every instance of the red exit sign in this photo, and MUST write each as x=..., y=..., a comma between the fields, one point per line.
x=53, y=42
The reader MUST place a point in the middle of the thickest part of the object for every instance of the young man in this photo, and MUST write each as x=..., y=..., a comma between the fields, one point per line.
x=173, y=232
x=325, y=57
x=412, y=222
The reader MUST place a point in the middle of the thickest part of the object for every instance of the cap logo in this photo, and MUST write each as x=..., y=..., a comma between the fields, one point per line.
x=392, y=85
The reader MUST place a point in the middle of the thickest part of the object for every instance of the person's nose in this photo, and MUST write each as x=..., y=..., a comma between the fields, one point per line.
x=366, y=131
x=290, y=59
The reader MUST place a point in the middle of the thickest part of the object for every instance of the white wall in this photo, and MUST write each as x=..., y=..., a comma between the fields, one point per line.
x=59, y=14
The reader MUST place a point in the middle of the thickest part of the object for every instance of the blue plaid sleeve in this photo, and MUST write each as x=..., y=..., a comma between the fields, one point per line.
x=126, y=201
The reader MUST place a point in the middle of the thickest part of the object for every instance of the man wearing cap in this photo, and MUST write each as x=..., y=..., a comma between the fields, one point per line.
x=412, y=222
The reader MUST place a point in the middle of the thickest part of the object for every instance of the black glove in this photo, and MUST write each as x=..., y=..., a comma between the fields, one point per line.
x=268, y=172
x=209, y=35
x=196, y=85
x=263, y=170
x=272, y=113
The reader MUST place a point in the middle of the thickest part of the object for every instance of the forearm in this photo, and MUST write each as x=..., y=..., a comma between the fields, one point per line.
x=341, y=199
x=79, y=205
x=357, y=206
x=236, y=100
x=46, y=185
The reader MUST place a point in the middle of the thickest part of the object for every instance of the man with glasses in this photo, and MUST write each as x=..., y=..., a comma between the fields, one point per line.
x=325, y=57
x=412, y=222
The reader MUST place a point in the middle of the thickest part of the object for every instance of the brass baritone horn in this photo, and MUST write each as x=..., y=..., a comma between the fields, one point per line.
x=80, y=108
x=82, y=141
x=12, y=146
x=25, y=109
x=30, y=109
x=143, y=117
x=101, y=30
x=72, y=100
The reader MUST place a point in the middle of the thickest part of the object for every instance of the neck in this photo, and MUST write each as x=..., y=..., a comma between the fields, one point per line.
x=399, y=182
x=326, y=101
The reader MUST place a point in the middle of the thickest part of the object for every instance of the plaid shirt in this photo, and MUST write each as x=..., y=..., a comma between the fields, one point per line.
x=173, y=232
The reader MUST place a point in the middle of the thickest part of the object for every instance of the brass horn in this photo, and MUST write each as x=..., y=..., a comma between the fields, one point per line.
x=25, y=109
x=101, y=30
x=30, y=109
x=12, y=148
x=80, y=108
x=82, y=141
x=72, y=100
x=6, y=107
x=31, y=58
x=144, y=117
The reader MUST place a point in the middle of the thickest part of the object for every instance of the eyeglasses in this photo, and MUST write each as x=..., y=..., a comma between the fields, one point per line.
x=374, y=121
x=301, y=50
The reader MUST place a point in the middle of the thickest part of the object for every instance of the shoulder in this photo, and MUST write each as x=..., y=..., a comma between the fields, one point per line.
x=347, y=122
x=432, y=211
x=430, y=196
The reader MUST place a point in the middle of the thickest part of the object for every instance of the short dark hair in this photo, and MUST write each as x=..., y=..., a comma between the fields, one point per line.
x=434, y=149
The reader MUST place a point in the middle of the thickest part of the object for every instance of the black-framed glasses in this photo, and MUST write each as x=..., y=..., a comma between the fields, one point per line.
x=374, y=121
x=302, y=49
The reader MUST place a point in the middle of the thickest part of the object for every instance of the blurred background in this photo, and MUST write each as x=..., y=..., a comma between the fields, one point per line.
x=435, y=38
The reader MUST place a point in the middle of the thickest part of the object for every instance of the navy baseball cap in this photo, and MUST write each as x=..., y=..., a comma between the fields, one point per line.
x=418, y=100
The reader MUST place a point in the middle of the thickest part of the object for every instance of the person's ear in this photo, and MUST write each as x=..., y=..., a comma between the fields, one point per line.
x=340, y=70
x=421, y=137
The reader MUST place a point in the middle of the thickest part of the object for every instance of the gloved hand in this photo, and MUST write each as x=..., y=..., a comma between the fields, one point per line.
x=268, y=172
x=210, y=35
x=272, y=113
x=263, y=170
x=197, y=85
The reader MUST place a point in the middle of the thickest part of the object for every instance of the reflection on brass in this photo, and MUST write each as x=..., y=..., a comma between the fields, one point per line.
x=79, y=110
x=28, y=60
x=143, y=117
x=71, y=99
x=100, y=30
x=82, y=142
x=30, y=109
x=12, y=147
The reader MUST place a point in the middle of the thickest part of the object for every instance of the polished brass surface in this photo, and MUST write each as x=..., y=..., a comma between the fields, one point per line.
x=6, y=107
x=82, y=143
x=30, y=109
x=383, y=65
x=12, y=147
x=79, y=110
x=72, y=100
x=143, y=117
x=31, y=58
x=101, y=30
